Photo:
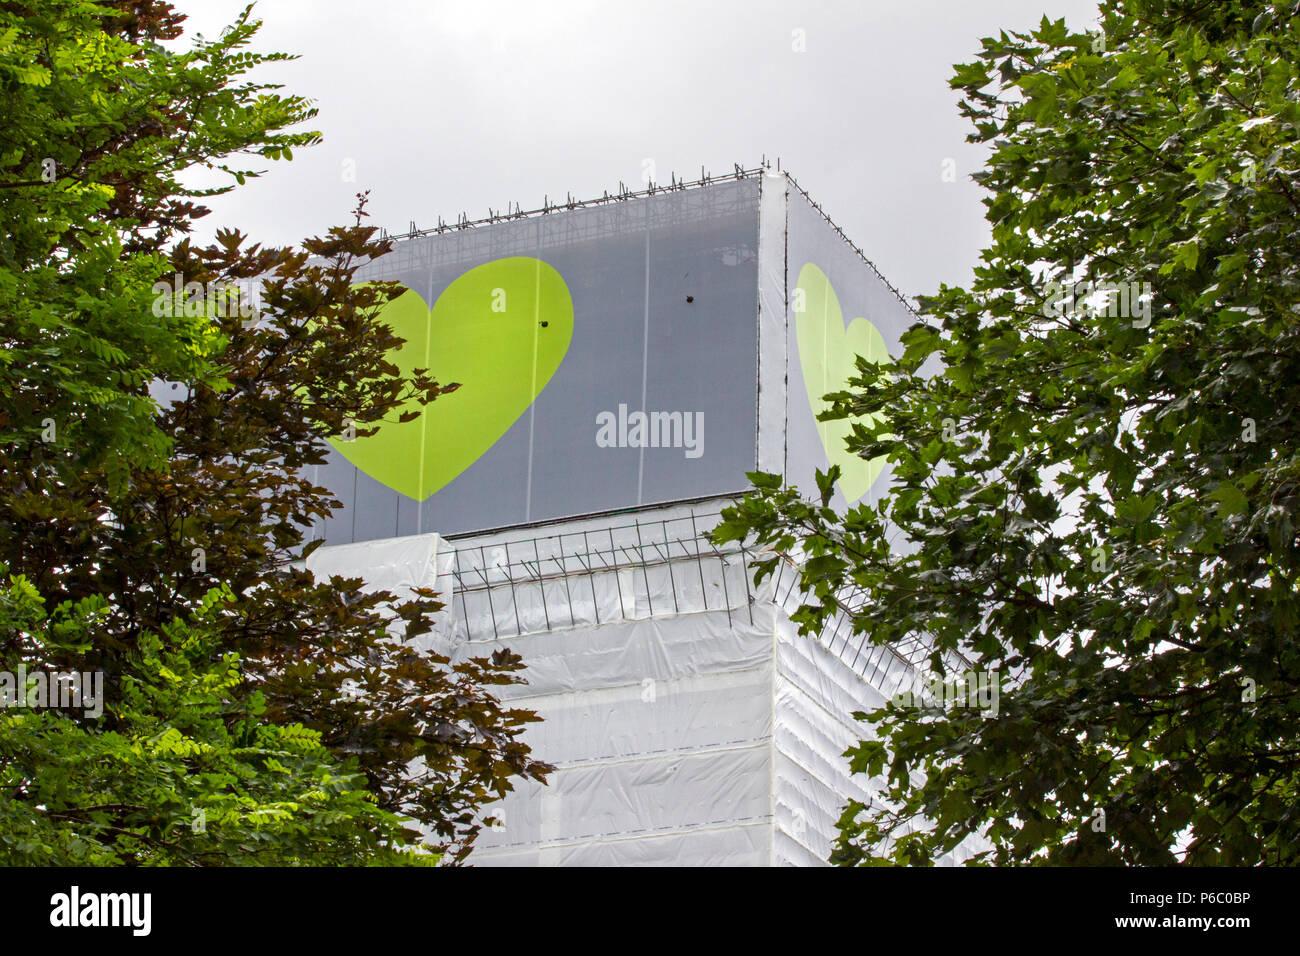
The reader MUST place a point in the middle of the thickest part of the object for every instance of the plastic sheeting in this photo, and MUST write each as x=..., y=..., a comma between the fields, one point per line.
x=683, y=732
x=658, y=718
x=392, y=564
x=661, y=733
x=705, y=733
x=814, y=698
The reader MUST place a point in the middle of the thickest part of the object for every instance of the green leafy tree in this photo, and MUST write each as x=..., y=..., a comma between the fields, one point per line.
x=100, y=122
x=143, y=511
x=192, y=772
x=1095, y=496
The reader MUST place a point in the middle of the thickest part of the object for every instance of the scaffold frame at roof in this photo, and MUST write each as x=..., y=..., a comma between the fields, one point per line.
x=622, y=194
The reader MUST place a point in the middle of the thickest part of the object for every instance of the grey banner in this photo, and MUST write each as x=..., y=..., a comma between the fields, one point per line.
x=664, y=304
x=859, y=292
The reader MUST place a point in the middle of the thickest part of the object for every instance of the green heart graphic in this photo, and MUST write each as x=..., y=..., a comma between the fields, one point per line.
x=500, y=330
x=827, y=353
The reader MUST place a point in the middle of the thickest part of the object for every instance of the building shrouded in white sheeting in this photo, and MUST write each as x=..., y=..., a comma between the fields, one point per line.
x=688, y=721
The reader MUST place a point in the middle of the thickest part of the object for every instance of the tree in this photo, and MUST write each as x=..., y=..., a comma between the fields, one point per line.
x=100, y=123
x=192, y=772
x=144, y=513
x=1094, y=464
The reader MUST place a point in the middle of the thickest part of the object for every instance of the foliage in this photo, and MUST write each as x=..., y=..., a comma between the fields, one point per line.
x=1097, y=500
x=193, y=774
x=143, y=506
x=101, y=121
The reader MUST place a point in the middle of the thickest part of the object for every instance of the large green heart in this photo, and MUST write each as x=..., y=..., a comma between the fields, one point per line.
x=500, y=330
x=827, y=354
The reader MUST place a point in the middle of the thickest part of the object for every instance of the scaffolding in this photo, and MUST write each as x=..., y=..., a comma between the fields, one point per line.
x=524, y=233
x=484, y=244
x=653, y=568
x=890, y=668
x=622, y=194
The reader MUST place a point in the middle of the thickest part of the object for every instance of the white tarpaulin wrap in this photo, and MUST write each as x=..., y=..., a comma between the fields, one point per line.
x=391, y=564
x=814, y=698
x=661, y=732
x=691, y=726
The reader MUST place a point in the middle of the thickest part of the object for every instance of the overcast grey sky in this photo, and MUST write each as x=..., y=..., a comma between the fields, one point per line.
x=449, y=107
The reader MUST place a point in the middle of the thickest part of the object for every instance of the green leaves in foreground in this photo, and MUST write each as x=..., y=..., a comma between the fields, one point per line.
x=290, y=719
x=189, y=776
x=1095, y=495
x=104, y=125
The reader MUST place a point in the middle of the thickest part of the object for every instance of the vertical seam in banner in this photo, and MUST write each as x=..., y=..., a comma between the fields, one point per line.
x=424, y=432
x=645, y=354
x=356, y=477
x=532, y=408
x=424, y=421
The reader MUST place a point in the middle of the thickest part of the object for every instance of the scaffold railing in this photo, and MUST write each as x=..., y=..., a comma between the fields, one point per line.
x=889, y=668
x=515, y=212
x=649, y=568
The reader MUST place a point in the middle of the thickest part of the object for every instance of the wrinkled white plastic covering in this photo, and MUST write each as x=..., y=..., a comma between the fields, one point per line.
x=813, y=701
x=390, y=564
x=692, y=726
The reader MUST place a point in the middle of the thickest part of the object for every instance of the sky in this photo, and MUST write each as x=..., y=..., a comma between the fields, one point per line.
x=440, y=108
